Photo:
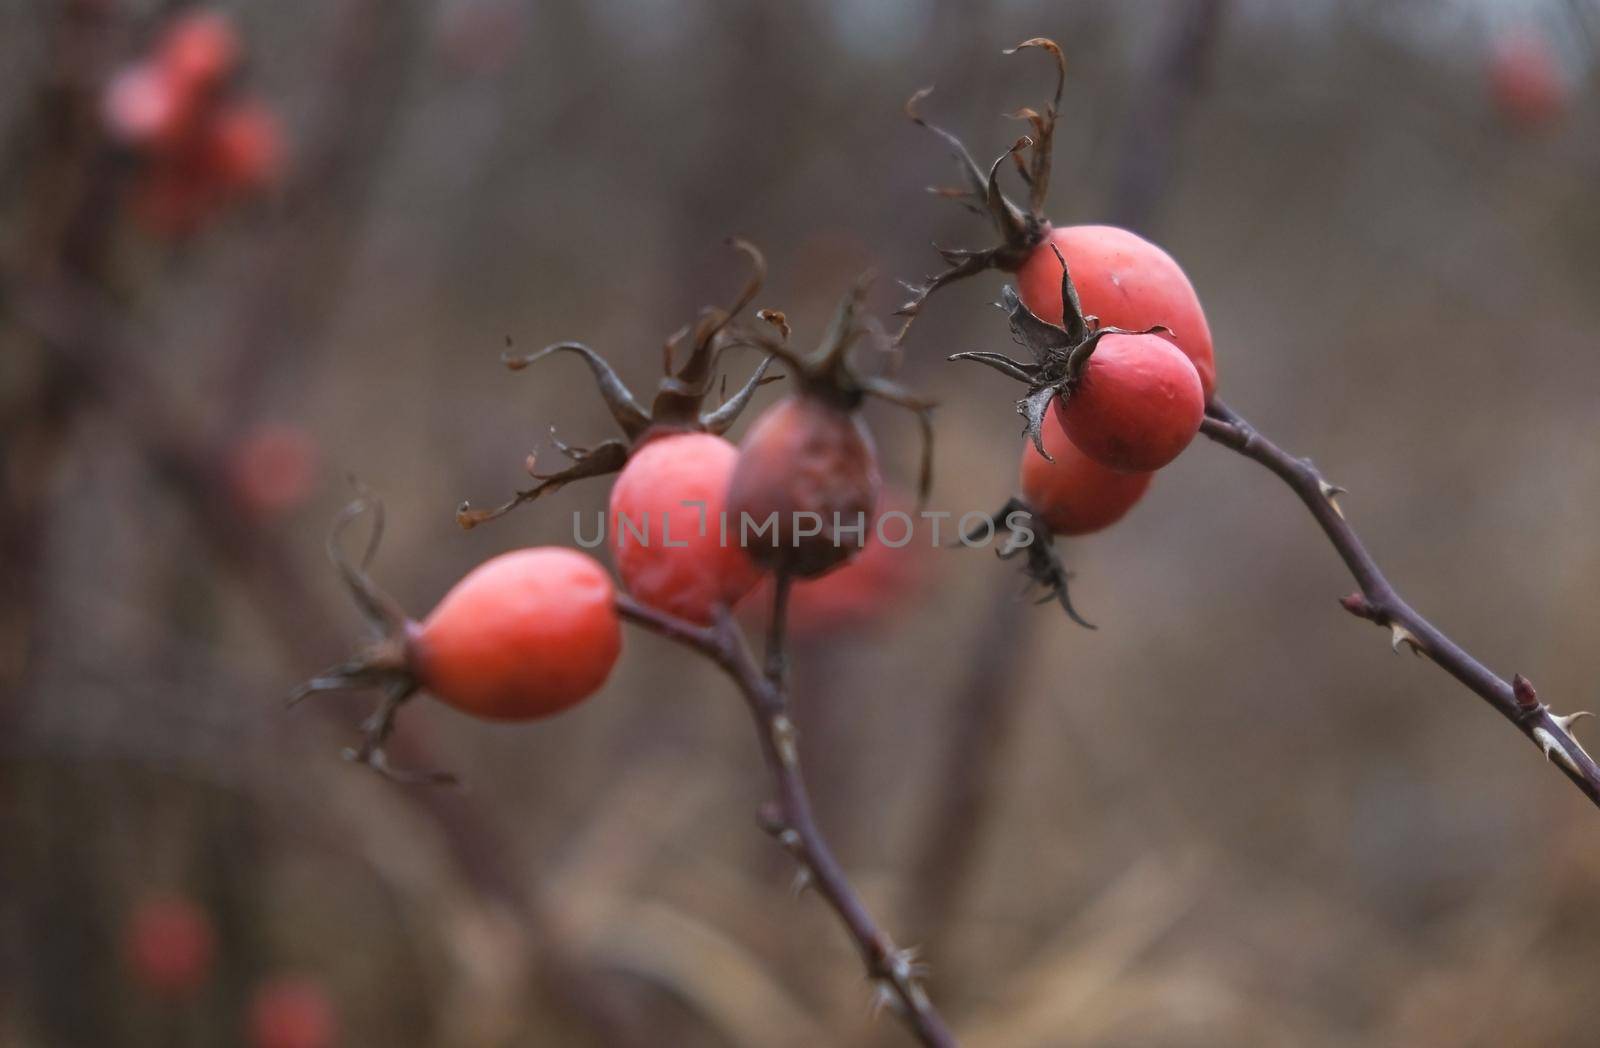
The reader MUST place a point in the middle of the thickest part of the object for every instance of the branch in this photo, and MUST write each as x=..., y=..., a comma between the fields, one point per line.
x=788, y=817
x=1378, y=602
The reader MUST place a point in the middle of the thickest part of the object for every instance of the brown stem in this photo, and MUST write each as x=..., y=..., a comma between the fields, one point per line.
x=973, y=762
x=789, y=817
x=1379, y=603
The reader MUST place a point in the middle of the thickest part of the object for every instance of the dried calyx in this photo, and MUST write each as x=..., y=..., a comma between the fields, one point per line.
x=1031, y=538
x=1020, y=229
x=678, y=406
x=384, y=662
x=1059, y=353
x=833, y=373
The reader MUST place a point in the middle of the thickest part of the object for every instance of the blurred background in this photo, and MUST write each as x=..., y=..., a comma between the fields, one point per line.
x=1229, y=816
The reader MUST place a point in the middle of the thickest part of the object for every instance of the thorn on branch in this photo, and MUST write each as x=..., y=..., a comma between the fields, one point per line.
x=1331, y=492
x=1399, y=635
x=1565, y=723
x=783, y=737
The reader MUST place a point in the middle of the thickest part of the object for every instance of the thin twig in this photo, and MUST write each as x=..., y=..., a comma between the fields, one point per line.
x=1378, y=602
x=788, y=818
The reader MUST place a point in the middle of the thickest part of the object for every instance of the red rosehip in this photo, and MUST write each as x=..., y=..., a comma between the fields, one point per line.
x=291, y=1013
x=1126, y=282
x=170, y=945
x=1075, y=495
x=1525, y=79
x=861, y=592
x=809, y=467
x=247, y=146
x=1136, y=406
x=143, y=107
x=200, y=50
x=273, y=468
x=523, y=635
x=702, y=567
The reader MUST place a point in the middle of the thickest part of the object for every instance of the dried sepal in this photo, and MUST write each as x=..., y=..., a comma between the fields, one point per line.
x=1020, y=229
x=384, y=663
x=608, y=456
x=1043, y=566
x=619, y=400
x=689, y=373
x=834, y=372
x=1060, y=353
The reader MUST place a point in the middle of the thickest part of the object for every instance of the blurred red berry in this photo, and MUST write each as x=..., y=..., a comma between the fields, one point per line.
x=292, y=1013
x=170, y=945
x=247, y=145
x=143, y=107
x=199, y=50
x=864, y=591
x=273, y=468
x=1525, y=78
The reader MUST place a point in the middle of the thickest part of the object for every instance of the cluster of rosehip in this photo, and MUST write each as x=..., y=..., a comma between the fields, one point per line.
x=1120, y=373
x=170, y=945
x=201, y=142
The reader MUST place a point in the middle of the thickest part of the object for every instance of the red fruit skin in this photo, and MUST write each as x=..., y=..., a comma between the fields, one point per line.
x=804, y=455
x=1136, y=406
x=1126, y=282
x=292, y=1013
x=246, y=146
x=1525, y=79
x=143, y=107
x=523, y=635
x=170, y=945
x=692, y=579
x=200, y=50
x=1075, y=495
x=860, y=594
x=273, y=469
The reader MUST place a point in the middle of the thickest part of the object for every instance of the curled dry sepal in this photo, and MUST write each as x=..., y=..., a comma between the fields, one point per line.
x=1042, y=565
x=1021, y=229
x=834, y=373
x=1059, y=353
x=678, y=405
x=383, y=662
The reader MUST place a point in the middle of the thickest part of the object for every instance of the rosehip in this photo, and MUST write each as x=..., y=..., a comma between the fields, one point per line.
x=808, y=473
x=671, y=454
x=1123, y=280
x=808, y=468
x=247, y=146
x=1075, y=495
x=272, y=469
x=523, y=635
x=671, y=554
x=291, y=1013
x=1137, y=404
x=861, y=592
x=1525, y=79
x=143, y=107
x=170, y=945
x=200, y=50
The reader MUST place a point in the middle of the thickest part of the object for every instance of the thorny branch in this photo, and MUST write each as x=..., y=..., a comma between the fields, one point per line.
x=1378, y=602
x=788, y=817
